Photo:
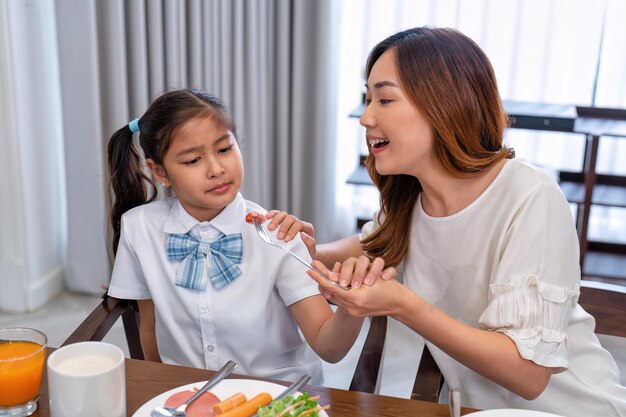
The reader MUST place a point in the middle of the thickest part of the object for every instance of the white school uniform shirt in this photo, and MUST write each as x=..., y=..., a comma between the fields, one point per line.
x=247, y=321
x=509, y=263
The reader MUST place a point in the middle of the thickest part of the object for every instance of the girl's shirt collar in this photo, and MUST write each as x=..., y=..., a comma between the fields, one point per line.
x=229, y=221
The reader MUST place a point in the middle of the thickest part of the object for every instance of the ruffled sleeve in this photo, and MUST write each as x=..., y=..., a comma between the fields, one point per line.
x=534, y=314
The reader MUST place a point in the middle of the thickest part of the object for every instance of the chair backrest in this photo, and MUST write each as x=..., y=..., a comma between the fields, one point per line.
x=366, y=372
x=605, y=302
x=427, y=383
x=103, y=317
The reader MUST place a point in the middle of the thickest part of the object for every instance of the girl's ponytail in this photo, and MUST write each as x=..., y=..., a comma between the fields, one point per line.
x=127, y=180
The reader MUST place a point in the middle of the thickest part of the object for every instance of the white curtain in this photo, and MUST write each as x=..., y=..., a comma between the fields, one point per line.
x=270, y=60
x=32, y=203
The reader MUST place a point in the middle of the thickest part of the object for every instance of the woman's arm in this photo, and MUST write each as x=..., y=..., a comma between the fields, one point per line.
x=147, y=332
x=491, y=354
x=330, y=335
x=338, y=251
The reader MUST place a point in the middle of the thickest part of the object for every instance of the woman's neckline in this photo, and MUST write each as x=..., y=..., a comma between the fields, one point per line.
x=467, y=208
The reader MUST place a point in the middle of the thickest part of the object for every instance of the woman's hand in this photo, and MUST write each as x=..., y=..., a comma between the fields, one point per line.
x=379, y=298
x=290, y=225
x=356, y=271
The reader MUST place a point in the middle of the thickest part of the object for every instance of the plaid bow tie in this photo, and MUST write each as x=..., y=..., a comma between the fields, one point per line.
x=224, y=254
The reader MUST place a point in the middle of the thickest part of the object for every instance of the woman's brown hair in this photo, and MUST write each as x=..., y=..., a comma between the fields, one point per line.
x=450, y=81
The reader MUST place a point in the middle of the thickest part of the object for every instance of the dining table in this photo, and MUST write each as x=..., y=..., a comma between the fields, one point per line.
x=145, y=380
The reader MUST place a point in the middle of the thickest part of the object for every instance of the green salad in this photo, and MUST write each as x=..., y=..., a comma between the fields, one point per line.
x=292, y=406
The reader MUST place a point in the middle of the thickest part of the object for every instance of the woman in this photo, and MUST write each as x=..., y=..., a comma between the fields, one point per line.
x=486, y=243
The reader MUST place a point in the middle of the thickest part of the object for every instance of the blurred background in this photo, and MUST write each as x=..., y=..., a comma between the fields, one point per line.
x=291, y=71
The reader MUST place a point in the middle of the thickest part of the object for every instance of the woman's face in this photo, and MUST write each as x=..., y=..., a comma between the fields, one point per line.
x=204, y=167
x=398, y=136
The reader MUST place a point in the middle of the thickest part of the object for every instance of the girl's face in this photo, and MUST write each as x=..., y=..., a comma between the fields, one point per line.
x=398, y=136
x=204, y=167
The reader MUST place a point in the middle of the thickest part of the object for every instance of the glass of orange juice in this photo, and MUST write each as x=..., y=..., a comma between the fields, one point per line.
x=22, y=357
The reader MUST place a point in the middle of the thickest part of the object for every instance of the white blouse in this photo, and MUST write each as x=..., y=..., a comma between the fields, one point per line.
x=509, y=263
x=248, y=320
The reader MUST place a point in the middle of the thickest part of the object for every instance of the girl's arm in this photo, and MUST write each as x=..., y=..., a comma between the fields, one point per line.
x=147, y=332
x=330, y=335
x=491, y=354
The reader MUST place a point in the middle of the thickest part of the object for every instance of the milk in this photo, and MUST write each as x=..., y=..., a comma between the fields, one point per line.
x=86, y=364
x=87, y=379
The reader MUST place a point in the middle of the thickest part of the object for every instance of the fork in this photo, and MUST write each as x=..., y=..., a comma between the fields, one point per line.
x=180, y=410
x=266, y=238
x=291, y=389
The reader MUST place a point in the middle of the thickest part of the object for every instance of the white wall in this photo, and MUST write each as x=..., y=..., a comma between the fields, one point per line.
x=32, y=209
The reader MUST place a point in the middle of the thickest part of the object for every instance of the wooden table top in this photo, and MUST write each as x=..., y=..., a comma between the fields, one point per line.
x=145, y=380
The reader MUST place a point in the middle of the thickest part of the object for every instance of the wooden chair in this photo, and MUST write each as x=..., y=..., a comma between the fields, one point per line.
x=102, y=318
x=427, y=383
x=605, y=302
x=366, y=372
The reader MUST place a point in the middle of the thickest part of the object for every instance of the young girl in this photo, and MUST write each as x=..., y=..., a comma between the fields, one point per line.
x=487, y=243
x=209, y=289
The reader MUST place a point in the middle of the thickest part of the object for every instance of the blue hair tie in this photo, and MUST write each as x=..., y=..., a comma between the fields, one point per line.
x=134, y=125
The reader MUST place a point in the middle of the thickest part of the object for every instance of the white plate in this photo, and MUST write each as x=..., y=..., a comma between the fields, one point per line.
x=510, y=412
x=223, y=390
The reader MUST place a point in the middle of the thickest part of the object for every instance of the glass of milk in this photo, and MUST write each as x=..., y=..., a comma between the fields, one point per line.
x=87, y=379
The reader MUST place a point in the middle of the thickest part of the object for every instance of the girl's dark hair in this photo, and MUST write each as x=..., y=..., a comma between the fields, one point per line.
x=158, y=125
x=450, y=81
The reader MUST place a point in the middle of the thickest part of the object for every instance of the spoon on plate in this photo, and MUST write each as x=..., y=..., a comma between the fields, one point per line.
x=180, y=410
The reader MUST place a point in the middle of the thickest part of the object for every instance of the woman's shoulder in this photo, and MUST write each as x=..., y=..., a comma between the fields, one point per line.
x=523, y=175
x=526, y=184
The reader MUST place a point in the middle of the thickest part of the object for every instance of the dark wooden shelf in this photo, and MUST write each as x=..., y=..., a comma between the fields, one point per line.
x=541, y=116
x=609, y=195
x=574, y=191
x=608, y=190
x=603, y=195
x=605, y=267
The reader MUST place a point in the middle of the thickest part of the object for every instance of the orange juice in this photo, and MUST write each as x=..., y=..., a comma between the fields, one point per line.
x=21, y=365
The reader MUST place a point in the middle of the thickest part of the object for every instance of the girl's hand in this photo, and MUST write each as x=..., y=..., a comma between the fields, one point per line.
x=290, y=225
x=380, y=298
